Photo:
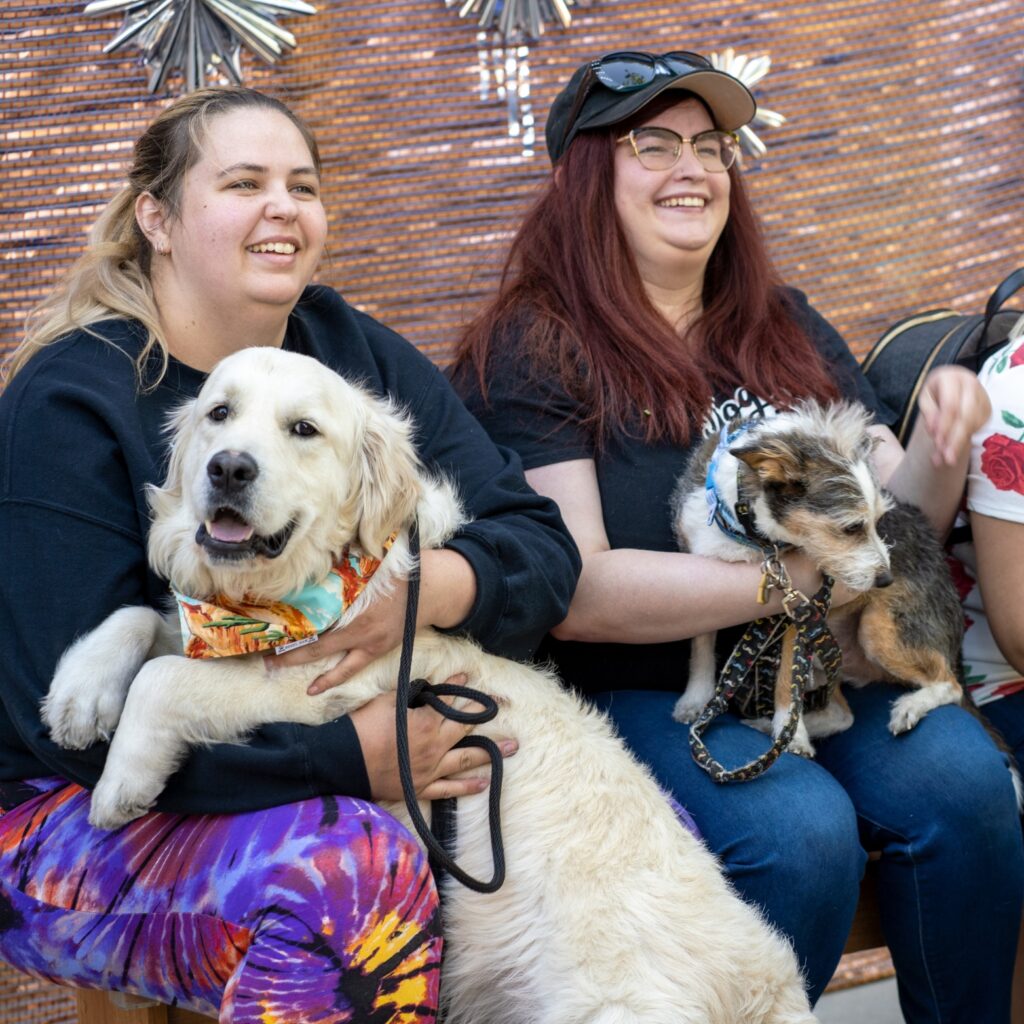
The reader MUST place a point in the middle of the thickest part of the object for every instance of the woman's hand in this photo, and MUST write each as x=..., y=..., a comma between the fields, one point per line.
x=376, y=631
x=438, y=771
x=806, y=577
x=953, y=405
x=447, y=592
x=931, y=472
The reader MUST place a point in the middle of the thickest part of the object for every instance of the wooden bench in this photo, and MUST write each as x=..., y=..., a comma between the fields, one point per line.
x=96, y=1007
x=866, y=932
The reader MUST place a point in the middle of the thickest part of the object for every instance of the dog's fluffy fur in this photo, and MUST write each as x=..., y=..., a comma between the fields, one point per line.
x=808, y=479
x=611, y=913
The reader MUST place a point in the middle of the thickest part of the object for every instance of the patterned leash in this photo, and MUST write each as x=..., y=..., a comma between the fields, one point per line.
x=743, y=684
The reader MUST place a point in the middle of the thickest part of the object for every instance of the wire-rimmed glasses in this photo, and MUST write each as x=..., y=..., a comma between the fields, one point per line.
x=659, y=149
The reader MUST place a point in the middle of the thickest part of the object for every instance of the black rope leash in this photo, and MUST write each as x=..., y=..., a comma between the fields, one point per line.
x=742, y=685
x=415, y=693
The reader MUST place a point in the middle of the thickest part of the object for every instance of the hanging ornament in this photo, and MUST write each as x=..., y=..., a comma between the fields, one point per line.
x=749, y=71
x=506, y=30
x=507, y=70
x=515, y=21
x=200, y=38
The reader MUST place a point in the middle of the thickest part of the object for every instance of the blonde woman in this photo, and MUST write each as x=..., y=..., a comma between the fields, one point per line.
x=266, y=885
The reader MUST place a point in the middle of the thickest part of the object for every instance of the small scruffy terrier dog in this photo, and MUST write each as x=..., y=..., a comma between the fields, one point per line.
x=803, y=479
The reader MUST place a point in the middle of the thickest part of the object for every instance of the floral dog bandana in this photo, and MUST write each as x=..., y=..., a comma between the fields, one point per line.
x=219, y=627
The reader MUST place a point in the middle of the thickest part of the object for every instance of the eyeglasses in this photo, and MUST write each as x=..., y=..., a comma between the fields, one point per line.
x=659, y=149
x=627, y=70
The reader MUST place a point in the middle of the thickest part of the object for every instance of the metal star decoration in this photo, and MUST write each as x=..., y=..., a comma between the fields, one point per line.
x=200, y=38
x=515, y=20
x=749, y=71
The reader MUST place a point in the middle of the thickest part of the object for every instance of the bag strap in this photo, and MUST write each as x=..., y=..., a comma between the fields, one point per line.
x=1012, y=284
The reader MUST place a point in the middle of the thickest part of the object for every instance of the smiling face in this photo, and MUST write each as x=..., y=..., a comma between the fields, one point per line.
x=672, y=219
x=250, y=226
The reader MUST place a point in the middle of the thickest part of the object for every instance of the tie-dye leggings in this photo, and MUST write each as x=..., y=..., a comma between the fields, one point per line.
x=319, y=911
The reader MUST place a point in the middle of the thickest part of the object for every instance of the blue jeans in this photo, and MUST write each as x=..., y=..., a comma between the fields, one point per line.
x=937, y=802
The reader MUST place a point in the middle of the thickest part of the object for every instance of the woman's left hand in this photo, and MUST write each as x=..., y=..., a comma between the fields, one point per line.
x=375, y=632
x=447, y=591
x=953, y=405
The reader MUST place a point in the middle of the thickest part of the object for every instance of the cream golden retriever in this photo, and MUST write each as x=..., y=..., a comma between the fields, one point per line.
x=611, y=911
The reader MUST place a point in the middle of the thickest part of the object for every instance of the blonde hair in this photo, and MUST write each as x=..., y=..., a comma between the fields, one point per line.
x=111, y=278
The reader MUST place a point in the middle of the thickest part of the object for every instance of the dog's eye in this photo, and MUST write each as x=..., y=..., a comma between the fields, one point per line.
x=304, y=428
x=853, y=529
x=219, y=413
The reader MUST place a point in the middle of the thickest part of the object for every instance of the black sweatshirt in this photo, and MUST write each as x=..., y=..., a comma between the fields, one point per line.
x=80, y=442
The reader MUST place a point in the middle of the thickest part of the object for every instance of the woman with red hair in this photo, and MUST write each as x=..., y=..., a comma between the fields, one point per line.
x=638, y=312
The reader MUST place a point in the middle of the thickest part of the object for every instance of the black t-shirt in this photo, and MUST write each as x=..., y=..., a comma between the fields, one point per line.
x=79, y=443
x=538, y=419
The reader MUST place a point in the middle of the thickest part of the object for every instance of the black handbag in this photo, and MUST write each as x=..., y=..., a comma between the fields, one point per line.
x=901, y=359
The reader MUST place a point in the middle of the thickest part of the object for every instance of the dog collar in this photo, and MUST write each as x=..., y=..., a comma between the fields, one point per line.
x=737, y=523
x=219, y=627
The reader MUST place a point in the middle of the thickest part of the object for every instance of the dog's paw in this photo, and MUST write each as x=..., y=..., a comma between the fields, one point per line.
x=801, y=745
x=80, y=713
x=116, y=803
x=92, y=677
x=688, y=708
x=831, y=719
x=909, y=709
x=905, y=714
x=801, y=742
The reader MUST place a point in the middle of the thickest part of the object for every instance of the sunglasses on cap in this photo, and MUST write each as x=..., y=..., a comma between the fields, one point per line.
x=627, y=70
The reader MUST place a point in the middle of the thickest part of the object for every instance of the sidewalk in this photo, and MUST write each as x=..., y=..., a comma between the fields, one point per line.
x=873, y=1003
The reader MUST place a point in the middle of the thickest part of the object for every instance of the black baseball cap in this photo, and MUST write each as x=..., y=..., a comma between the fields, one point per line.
x=729, y=100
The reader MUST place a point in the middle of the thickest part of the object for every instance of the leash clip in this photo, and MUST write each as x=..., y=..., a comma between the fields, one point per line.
x=775, y=577
x=793, y=600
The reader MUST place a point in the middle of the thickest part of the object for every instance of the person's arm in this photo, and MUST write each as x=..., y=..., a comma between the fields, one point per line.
x=931, y=472
x=643, y=597
x=524, y=559
x=999, y=551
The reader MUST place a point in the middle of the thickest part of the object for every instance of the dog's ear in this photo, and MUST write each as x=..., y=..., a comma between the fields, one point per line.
x=774, y=461
x=389, y=481
x=179, y=427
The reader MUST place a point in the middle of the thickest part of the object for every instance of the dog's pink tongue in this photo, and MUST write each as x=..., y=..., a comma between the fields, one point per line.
x=228, y=529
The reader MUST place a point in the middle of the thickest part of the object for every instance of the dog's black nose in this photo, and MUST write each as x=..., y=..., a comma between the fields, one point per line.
x=232, y=472
x=883, y=579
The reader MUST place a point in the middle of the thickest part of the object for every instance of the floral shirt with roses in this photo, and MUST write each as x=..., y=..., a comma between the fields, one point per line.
x=995, y=487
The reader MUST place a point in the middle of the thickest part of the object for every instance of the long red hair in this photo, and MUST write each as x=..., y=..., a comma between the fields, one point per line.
x=570, y=292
